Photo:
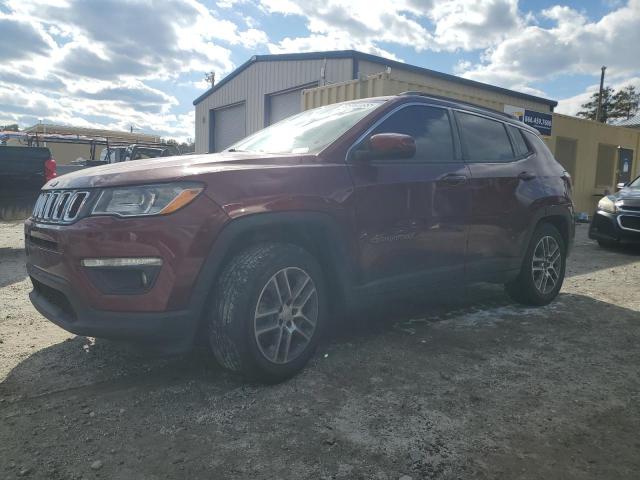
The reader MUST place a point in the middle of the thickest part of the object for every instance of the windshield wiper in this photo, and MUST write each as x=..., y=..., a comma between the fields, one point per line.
x=235, y=150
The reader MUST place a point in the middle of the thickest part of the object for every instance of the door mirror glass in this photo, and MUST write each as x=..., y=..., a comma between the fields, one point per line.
x=387, y=145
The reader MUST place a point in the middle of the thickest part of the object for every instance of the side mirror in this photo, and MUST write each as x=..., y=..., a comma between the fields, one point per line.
x=387, y=145
x=620, y=186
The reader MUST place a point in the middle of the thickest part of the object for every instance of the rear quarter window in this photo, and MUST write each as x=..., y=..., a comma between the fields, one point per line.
x=520, y=146
x=484, y=140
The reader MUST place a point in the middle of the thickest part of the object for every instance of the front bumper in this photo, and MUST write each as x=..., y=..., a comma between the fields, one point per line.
x=58, y=301
x=608, y=227
x=166, y=312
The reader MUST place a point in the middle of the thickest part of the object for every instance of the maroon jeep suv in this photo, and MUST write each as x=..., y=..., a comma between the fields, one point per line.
x=254, y=248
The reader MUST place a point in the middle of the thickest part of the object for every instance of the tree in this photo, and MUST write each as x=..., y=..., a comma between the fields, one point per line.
x=625, y=103
x=13, y=127
x=590, y=108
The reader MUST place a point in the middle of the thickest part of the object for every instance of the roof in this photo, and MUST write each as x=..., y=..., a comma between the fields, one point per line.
x=355, y=55
x=630, y=122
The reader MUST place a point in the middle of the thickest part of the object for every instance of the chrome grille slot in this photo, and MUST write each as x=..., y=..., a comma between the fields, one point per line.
x=48, y=205
x=37, y=206
x=75, y=205
x=61, y=206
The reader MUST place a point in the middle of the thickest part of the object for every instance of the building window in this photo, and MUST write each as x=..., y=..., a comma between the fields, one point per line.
x=605, y=166
x=566, y=150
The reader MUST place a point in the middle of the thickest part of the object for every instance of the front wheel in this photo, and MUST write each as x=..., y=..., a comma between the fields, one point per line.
x=270, y=312
x=543, y=268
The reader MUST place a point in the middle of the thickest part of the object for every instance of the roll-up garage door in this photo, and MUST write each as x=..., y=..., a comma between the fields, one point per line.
x=283, y=105
x=229, y=126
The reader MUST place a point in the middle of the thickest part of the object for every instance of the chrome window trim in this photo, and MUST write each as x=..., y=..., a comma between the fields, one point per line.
x=397, y=109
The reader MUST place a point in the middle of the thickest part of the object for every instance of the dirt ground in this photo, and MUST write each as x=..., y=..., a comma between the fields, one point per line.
x=471, y=386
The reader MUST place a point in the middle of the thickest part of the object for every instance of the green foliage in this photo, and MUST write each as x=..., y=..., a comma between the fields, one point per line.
x=13, y=127
x=619, y=105
x=625, y=103
x=590, y=108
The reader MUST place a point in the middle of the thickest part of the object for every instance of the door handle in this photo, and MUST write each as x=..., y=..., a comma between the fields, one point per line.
x=453, y=179
x=526, y=176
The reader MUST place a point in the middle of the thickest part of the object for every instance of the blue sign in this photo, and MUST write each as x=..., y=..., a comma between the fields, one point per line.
x=538, y=120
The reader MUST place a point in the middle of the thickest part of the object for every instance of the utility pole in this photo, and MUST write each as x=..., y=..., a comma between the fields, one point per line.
x=210, y=78
x=599, y=110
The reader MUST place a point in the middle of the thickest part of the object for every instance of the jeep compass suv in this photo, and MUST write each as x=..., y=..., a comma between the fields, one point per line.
x=253, y=248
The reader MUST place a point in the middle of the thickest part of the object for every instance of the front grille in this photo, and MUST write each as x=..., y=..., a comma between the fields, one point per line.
x=630, y=208
x=59, y=206
x=629, y=222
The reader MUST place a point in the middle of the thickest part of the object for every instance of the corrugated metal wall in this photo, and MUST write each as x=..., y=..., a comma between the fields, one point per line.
x=262, y=78
x=453, y=89
x=398, y=81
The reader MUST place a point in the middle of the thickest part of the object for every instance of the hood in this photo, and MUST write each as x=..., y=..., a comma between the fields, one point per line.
x=166, y=169
x=628, y=196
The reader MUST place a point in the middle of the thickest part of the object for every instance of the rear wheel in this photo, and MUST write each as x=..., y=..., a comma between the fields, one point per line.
x=269, y=312
x=543, y=268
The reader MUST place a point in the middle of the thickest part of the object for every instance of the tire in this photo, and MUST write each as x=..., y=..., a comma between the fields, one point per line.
x=608, y=244
x=531, y=287
x=254, y=313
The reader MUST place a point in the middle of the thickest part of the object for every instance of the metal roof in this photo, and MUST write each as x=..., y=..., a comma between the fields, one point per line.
x=630, y=122
x=355, y=55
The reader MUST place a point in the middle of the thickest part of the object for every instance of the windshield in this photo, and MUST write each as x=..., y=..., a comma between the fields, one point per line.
x=635, y=183
x=307, y=132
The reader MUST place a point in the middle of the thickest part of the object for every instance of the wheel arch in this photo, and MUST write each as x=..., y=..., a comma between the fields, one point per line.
x=318, y=233
x=561, y=217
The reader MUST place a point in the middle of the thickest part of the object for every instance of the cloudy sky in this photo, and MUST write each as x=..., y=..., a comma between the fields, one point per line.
x=117, y=63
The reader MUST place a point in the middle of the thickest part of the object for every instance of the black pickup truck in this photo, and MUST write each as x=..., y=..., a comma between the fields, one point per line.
x=23, y=172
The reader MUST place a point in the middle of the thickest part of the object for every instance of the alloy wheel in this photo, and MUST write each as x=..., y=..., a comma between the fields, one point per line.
x=286, y=315
x=546, y=264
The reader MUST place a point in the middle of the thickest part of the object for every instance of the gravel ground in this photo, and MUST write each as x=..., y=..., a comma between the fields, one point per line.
x=472, y=386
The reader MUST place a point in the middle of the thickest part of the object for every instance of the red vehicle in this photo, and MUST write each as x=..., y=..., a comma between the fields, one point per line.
x=255, y=247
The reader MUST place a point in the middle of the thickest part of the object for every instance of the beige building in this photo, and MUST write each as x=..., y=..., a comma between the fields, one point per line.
x=65, y=152
x=268, y=88
x=598, y=156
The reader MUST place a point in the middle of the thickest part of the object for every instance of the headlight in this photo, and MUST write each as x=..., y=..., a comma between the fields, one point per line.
x=607, y=205
x=158, y=199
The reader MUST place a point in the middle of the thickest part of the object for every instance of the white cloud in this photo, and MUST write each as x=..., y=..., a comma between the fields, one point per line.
x=364, y=25
x=75, y=61
x=572, y=45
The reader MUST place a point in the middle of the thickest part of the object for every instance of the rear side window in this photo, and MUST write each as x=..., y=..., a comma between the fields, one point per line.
x=429, y=126
x=484, y=140
x=520, y=146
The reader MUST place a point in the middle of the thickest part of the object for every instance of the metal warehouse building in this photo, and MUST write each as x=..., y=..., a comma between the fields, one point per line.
x=268, y=88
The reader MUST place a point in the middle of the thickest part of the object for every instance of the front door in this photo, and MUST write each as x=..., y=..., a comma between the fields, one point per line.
x=411, y=213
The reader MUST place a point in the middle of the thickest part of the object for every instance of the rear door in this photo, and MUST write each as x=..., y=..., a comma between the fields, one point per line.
x=504, y=188
x=411, y=213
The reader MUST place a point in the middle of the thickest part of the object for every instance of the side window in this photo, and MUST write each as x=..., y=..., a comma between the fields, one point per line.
x=429, y=126
x=484, y=140
x=521, y=147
